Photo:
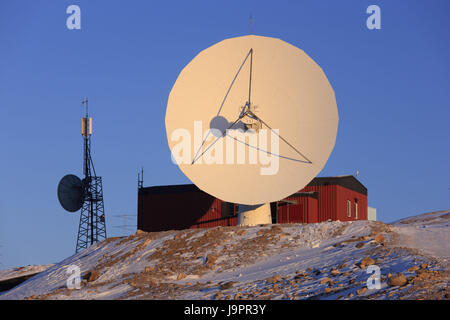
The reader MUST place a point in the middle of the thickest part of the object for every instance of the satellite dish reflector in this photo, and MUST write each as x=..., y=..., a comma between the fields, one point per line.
x=70, y=193
x=277, y=111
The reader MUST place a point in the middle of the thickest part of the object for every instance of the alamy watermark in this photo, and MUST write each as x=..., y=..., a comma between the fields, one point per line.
x=234, y=146
x=74, y=20
x=373, y=282
x=74, y=279
x=374, y=20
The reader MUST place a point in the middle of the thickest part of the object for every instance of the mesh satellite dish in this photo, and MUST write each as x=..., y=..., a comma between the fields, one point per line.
x=70, y=193
x=251, y=120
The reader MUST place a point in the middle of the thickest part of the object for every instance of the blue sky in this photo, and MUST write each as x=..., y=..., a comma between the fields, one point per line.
x=391, y=85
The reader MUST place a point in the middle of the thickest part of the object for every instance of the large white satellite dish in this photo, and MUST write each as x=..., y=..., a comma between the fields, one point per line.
x=251, y=85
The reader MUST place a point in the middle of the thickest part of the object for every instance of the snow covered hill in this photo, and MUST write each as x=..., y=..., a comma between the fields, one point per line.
x=22, y=271
x=328, y=260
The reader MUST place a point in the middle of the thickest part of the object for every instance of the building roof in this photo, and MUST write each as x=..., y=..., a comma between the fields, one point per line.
x=176, y=188
x=349, y=182
x=312, y=194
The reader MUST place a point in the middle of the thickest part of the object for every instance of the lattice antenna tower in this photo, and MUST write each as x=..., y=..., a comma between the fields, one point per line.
x=92, y=226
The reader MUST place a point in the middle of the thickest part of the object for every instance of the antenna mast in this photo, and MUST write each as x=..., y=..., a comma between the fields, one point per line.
x=141, y=178
x=127, y=227
x=92, y=218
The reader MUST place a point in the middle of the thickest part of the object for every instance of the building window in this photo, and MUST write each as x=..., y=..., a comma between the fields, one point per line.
x=349, y=208
x=356, y=208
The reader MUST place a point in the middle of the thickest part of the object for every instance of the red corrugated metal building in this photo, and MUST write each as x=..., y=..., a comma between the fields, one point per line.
x=178, y=207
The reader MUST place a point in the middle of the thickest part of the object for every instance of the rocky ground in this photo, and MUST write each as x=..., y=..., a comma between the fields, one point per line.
x=329, y=260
